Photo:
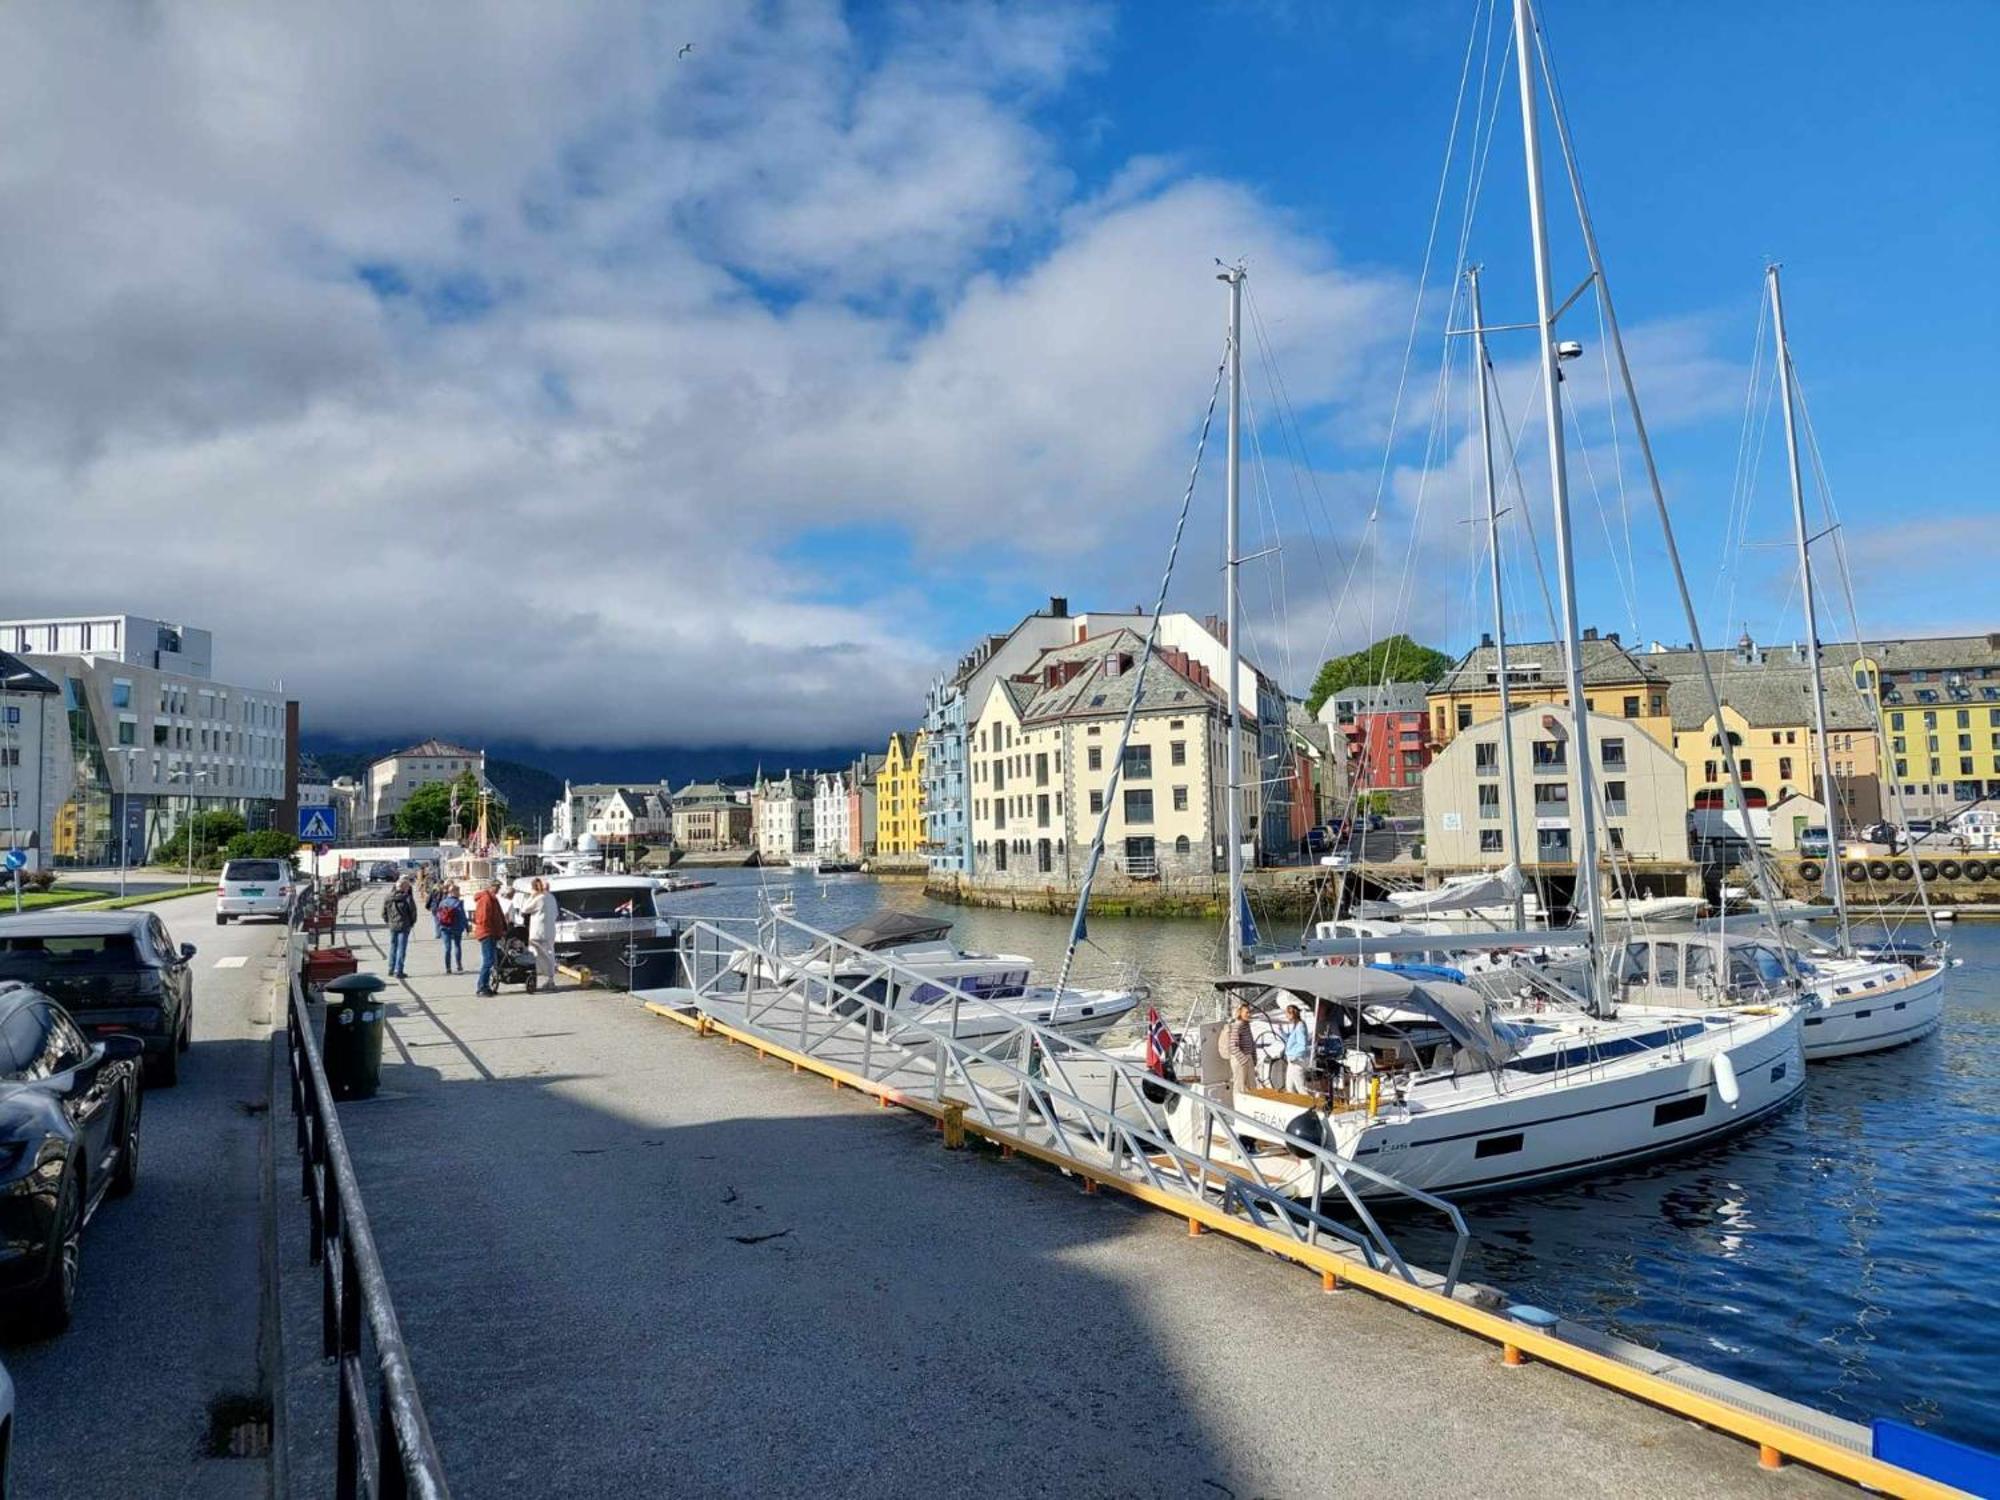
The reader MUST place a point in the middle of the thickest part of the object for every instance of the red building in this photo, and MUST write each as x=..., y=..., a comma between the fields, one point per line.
x=1385, y=729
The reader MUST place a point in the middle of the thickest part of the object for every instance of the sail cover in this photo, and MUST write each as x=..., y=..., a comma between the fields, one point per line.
x=1460, y=893
x=1462, y=1013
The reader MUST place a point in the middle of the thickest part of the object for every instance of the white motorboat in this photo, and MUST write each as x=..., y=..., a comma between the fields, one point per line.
x=1435, y=1085
x=612, y=925
x=1479, y=902
x=934, y=981
x=1857, y=1002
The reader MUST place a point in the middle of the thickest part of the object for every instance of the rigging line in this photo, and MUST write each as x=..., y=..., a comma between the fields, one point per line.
x=1077, y=927
x=1767, y=882
x=1274, y=578
x=1740, y=543
x=1625, y=584
x=1522, y=505
x=1617, y=460
x=1744, y=452
x=1423, y=284
x=1440, y=423
x=1874, y=699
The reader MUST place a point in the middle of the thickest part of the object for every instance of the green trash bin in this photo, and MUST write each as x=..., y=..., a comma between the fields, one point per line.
x=351, y=1042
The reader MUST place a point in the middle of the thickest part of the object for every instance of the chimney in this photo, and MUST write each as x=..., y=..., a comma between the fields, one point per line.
x=1590, y=632
x=1486, y=639
x=1611, y=636
x=1058, y=606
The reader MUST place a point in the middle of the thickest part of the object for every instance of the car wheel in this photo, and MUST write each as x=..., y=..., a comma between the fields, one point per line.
x=46, y=1310
x=163, y=1069
x=126, y=1178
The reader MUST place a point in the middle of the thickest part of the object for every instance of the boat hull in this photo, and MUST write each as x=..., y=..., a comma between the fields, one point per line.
x=1852, y=1026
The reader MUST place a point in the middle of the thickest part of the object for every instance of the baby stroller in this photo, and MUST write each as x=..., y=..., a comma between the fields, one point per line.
x=514, y=962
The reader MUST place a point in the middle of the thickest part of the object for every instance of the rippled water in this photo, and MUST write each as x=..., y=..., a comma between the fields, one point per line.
x=1837, y=1255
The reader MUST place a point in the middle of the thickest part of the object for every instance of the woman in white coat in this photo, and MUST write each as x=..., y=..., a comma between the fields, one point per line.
x=540, y=910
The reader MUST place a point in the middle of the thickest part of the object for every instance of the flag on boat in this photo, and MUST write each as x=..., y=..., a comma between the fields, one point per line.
x=1251, y=938
x=1159, y=1046
x=625, y=908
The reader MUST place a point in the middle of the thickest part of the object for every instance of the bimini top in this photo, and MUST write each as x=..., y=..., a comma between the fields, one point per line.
x=1463, y=1014
x=892, y=929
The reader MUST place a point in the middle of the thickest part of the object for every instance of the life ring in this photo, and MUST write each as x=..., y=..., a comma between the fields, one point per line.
x=1975, y=869
x=1809, y=870
x=1856, y=870
x=1902, y=869
x=1878, y=869
x=1927, y=868
x=1948, y=869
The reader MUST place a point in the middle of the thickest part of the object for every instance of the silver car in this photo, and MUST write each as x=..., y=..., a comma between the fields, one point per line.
x=254, y=888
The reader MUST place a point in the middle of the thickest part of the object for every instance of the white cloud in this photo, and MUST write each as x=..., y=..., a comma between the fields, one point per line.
x=639, y=323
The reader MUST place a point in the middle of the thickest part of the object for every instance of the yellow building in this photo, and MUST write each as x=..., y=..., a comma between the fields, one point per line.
x=899, y=796
x=1616, y=683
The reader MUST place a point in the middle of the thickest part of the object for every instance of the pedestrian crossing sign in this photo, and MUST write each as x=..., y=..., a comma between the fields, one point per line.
x=316, y=825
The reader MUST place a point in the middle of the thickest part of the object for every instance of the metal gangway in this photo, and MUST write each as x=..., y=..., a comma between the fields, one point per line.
x=1023, y=1085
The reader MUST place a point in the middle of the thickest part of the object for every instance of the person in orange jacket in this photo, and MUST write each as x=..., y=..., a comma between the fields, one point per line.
x=489, y=925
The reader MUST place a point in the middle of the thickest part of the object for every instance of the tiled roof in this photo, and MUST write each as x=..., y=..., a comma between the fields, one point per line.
x=1389, y=697
x=432, y=750
x=1605, y=662
x=1094, y=691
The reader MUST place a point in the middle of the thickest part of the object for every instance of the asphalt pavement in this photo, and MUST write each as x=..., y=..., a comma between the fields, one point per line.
x=162, y=1362
x=628, y=1260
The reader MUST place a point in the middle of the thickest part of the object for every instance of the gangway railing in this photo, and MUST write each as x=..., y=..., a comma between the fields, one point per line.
x=1022, y=1078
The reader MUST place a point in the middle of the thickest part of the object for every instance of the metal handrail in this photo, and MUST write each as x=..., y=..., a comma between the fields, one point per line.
x=1031, y=1059
x=353, y=1284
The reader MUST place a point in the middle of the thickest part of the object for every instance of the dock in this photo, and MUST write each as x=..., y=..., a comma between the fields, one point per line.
x=630, y=1255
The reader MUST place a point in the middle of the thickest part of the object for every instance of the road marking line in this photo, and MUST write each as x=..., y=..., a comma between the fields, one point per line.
x=233, y=963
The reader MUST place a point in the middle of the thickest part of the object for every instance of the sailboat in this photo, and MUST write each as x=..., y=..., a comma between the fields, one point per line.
x=1859, y=1001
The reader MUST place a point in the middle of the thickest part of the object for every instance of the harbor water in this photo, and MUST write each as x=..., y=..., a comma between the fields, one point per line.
x=1837, y=1255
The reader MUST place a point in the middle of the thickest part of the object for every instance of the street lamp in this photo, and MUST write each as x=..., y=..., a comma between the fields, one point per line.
x=190, y=779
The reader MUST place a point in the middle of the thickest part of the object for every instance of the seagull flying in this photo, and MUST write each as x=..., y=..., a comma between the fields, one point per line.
x=686, y=48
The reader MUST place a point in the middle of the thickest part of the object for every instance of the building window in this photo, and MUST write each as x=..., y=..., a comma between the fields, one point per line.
x=1093, y=758
x=1180, y=799
x=128, y=732
x=1552, y=843
x=1743, y=769
x=121, y=693
x=1632, y=706
x=1613, y=753
x=1465, y=716
x=1177, y=752
x=1784, y=768
x=1491, y=841
x=1489, y=802
x=1614, y=799
x=1042, y=814
x=1550, y=754
x=1139, y=804
x=1138, y=763
x=1551, y=799
x=1182, y=846
x=1486, y=760
x=1097, y=802
x=1617, y=838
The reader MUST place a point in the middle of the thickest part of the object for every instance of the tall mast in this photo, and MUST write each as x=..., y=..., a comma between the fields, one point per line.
x=1583, y=813
x=1233, y=816
x=1499, y=600
x=1830, y=792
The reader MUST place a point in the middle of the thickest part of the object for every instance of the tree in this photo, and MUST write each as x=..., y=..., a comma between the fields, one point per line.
x=265, y=843
x=427, y=815
x=211, y=833
x=1394, y=658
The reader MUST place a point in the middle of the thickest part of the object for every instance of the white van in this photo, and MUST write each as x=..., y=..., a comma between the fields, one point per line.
x=254, y=888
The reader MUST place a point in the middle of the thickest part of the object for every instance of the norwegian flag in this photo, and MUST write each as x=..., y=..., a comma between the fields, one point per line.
x=625, y=908
x=1159, y=1046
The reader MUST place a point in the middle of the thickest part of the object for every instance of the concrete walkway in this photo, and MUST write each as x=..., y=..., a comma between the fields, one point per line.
x=631, y=1260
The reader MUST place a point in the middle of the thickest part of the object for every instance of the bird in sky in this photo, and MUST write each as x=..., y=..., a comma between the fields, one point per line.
x=686, y=48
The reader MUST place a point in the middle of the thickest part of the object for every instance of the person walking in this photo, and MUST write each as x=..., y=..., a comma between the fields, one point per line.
x=1239, y=1047
x=450, y=914
x=541, y=913
x=1298, y=1047
x=489, y=925
x=400, y=911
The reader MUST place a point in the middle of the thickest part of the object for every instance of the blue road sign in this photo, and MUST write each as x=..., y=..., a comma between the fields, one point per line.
x=316, y=825
x=17, y=859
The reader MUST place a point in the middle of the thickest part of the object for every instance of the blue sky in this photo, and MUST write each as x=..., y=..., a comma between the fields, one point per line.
x=723, y=399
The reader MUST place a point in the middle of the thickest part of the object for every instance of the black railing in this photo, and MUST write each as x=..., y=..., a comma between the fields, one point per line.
x=352, y=1285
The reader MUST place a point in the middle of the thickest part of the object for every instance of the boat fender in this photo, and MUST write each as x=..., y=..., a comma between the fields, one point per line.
x=1974, y=870
x=1948, y=868
x=1903, y=869
x=1856, y=870
x=1878, y=869
x=1307, y=1130
x=1927, y=868
x=1726, y=1087
x=1809, y=871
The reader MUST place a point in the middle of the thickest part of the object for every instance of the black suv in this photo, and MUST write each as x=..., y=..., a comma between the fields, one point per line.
x=114, y=971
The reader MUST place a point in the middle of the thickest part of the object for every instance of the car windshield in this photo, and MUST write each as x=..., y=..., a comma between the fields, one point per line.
x=253, y=869
x=26, y=955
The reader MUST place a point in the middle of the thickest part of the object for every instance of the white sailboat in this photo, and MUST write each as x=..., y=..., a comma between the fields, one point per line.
x=1432, y=1080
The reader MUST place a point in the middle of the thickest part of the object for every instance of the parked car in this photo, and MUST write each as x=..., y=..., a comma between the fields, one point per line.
x=70, y=1111
x=114, y=971
x=382, y=869
x=254, y=888
x=1813, y=843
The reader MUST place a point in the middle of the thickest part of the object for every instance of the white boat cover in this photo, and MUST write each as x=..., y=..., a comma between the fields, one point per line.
x=1459, y=893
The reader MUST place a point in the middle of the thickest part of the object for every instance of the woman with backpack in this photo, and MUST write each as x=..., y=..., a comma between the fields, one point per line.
x=450, y=914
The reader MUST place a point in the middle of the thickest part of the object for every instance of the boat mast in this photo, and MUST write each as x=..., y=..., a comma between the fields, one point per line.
x=1233, y=815
x=1583, y=815
x=1499, y=608
x=1831, y=792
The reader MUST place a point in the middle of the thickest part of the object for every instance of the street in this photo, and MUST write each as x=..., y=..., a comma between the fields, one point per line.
x=166, y=1335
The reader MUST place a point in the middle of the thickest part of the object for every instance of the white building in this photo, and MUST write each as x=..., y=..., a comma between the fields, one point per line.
x=36, y=777
x=627, y=815
x=153, y=737
x=782, y=822
x=830, y=820
x=389, y=781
